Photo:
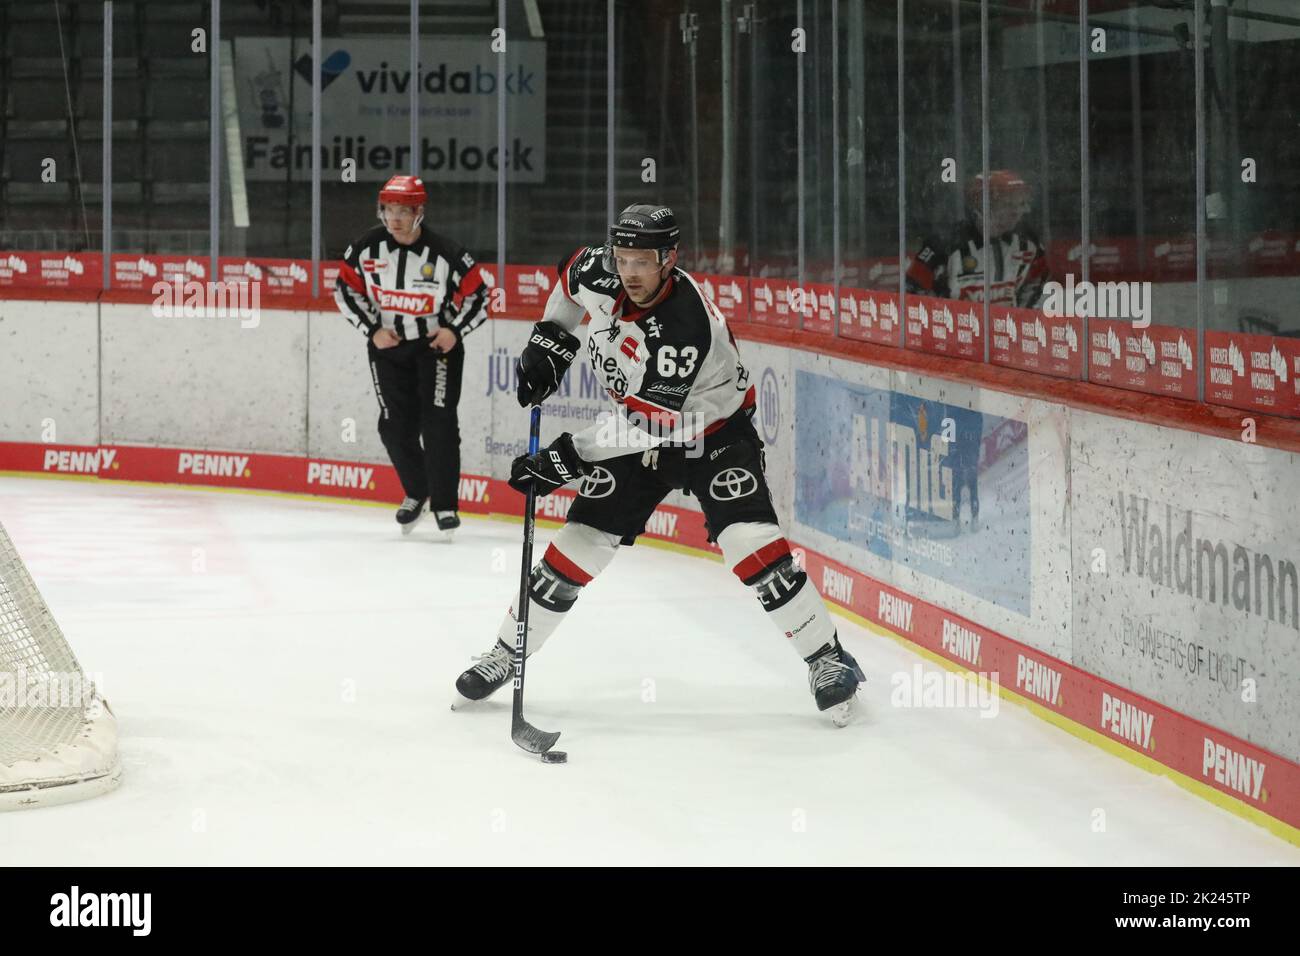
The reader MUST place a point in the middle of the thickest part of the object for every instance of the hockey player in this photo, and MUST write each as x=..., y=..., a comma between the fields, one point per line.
x=682, y=420
x=953, y=268
x=416, y=295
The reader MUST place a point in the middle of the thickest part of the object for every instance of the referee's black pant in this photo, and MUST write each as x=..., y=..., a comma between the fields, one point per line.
x=418, y=391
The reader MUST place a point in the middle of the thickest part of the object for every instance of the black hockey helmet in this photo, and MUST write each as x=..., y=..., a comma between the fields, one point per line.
x=643, y=226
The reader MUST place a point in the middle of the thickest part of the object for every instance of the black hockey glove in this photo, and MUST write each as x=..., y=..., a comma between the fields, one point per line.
x=547, y=356
x=555, y=465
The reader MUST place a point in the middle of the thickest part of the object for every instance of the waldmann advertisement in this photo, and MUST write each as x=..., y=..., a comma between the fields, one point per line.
x=1185, y=560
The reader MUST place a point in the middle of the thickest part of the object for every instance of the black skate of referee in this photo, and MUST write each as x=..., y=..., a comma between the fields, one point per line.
x=416, y=295
x=681, y=420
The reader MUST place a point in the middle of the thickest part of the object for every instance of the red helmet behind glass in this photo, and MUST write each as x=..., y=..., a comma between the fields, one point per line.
x=1003, y=184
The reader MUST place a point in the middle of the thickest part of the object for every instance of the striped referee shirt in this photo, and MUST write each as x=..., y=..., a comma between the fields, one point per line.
x=413, y=290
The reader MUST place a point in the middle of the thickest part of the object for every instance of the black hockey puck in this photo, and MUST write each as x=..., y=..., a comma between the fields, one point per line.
x=555, y=756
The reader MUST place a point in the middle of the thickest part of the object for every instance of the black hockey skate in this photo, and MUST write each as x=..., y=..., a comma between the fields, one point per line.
x=409, y=513
x=492, y=671
x=448, y=521
x=833, y=677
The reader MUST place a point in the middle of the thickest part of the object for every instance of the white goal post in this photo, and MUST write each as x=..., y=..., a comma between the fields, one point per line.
x=58, y=739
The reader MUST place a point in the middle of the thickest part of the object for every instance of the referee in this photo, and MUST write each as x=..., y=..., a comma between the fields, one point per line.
x=415, y=295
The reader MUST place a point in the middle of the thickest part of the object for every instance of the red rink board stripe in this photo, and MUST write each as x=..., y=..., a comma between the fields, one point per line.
x=292, y=474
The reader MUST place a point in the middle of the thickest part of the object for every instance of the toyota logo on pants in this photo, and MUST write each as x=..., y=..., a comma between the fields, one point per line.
x=598, y=484
x=732, y=484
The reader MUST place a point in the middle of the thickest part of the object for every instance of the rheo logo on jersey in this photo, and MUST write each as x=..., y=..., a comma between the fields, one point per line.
x=598, y=484
x=732, y=483
x=340, y=476
x=607, y=367
x=220, y=466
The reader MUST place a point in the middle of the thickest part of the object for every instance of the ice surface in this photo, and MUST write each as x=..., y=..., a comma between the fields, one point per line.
x=282, y=671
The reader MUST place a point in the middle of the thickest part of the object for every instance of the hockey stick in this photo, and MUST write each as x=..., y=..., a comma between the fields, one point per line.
x=521, y=731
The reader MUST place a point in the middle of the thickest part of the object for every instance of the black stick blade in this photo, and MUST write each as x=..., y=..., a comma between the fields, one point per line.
x=530, y=738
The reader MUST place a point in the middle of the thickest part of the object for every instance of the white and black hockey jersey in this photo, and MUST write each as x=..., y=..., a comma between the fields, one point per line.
x=954, y=267
x=412, y=290
x=673, y=369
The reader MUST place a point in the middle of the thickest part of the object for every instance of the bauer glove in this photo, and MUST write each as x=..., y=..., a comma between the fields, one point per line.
x=555, y=465
x=547, y=356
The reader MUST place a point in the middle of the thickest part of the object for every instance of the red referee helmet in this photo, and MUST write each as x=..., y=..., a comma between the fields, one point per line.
x=404, y=191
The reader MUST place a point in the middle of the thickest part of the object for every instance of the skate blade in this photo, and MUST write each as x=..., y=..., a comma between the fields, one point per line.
x=842, y=714
x=409, y=527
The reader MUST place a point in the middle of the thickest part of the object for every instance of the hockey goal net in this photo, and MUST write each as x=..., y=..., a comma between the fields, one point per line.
x=58, y=739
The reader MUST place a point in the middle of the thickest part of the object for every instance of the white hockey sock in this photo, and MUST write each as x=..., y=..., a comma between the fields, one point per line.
x=760, y=556
x=795, y=607
x=549, y=598
x=576, y=556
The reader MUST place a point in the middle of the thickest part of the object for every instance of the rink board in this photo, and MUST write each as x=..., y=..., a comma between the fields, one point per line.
x=869, y=501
